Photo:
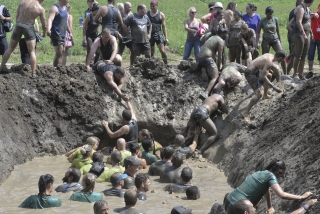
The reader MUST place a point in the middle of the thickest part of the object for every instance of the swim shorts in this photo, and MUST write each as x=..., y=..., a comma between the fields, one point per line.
x=23, y=29
x=252, y=78
x=198, y=116
x=142, y=48
x=156, y=38
x=205, y=62
x=57, y=40
x=102, y=68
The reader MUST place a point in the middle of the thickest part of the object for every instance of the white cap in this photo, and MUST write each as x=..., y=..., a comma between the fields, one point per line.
x=218, y=4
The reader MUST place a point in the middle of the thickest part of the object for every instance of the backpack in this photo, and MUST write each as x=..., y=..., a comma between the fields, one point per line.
x=7, y=26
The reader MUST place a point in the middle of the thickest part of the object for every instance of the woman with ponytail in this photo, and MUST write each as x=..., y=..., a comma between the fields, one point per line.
x=145, y=133
x=87, y=194
x=43, y=199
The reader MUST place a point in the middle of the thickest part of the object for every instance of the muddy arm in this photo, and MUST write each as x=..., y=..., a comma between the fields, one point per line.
x=284, y=195
x=131, y=109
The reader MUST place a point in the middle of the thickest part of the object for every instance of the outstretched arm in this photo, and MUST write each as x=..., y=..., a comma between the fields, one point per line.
x=131, y=109
x=265, y=78
x=122, y=131
x=284, y=195
x=305, y=207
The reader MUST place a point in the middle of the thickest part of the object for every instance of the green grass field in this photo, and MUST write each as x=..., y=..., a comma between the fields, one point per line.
x=175, y=12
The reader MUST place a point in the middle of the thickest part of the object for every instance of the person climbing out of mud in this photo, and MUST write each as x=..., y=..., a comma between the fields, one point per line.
x=115, y=77
x=257, y=73
x=211, y=49
x=258, y=185
x=129, y=131
x=201, y=116
x=107, y=47
x=182, y=146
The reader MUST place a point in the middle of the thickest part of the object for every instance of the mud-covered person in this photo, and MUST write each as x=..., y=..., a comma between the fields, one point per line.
x=158, y=21
x=142, y=183
x=157, y=167
x=130, y=199
x=114, y=75
x=25, y=26
x=100, y=207
x=257, y=74
x=171, y=174
x=201, y=116
x=117, y=183
x=131, y=165
x=129, y=131
x=4, y=16
x=57, y=28
x=229, y=12
x=212, y=48
x=248, y=40
x=71, y=181
x=141, y=29
x=184, y=184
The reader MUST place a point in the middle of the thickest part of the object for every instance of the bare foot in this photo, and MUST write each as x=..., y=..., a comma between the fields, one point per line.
x=266, y=97
x=246, y=117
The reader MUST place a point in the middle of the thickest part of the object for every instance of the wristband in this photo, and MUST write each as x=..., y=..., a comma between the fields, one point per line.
x=304, y=207
x=269, y=205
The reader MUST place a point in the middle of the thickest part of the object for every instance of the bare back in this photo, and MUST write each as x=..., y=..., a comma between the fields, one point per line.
x=28, y=11
x=263, y=62
x=227, y=15
x=212, y=102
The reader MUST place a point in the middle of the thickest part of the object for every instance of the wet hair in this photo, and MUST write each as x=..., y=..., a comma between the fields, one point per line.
x=244, y=26
x=141, y=178
x=168, y=152
x=89, y=180
x=98, y=205
x=147, y=144
x=269, y=9
x=76, y=174
x=179, y=140
x=130, y=197
x=86, y=151
x=68, y=6
x=93, y=140
x=186, y=174
x=177, y=160
x=232, y=5
x=252, y=7
x=140, y=7
x=277, y=166
x=146, y=133
x=241, y=206
x=280, y=54
x=120, y=71
x=134, y=147
x=97, y=157
x=95, y=7
x=298, y=2
x=238, y=12
x=193, y=193
x=127, y=115
x=191, y=8
x=234, y=79
x=116, y=156
x=211, y=4
x=114, y=177
x=44, y=183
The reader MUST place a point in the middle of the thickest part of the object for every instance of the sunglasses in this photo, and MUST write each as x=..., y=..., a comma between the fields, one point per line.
x=193, y=12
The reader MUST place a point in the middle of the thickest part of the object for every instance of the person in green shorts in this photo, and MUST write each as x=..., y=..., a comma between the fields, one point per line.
x=86, y=152
x=43, y=199
x=100, y=207
x=258, y=185
x=96, y=167
x=147, y=145
x=116, y=167
x=87, y=194
x=76, y=153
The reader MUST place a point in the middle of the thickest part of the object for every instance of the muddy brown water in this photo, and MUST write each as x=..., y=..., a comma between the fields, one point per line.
x=23, y=182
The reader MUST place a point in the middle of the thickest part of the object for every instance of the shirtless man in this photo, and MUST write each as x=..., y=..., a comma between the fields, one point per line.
x=158, y=19
x=254, y=77
x=228, y=13
x=107, y=45
x=212, y=47
x=114, y=75
x=27, y=13
x=201, y=117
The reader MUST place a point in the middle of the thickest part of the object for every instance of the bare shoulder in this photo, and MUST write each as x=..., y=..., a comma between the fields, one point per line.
x=162, y=16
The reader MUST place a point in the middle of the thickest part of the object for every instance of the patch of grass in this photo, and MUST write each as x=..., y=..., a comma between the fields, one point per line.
x=175, y=11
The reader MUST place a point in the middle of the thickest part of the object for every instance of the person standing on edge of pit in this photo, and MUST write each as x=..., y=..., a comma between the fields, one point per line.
x=24, y=26
x=315, y=42
x=125, y=41
x=257, y=73
x=129, y=131
x=206, y=18
x=192, y=26
x=259, y=184
x=217, y=7
x=4, y=16
x=69, y=39
x=301, y=35
x=252, y=19
x=57, y=28
x=157, y=19
x=234, y=42
x=111, y=18
x=228, y=13
x=271, y=35
x=248, y=43
x=100, y=207
x=141, y=29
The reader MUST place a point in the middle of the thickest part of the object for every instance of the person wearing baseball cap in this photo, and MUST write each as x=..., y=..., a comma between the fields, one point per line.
x=181, y=210
x=117, y=184
x=131, y=165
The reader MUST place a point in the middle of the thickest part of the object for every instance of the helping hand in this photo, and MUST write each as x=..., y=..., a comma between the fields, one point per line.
x=270, y=211
x=104, y=123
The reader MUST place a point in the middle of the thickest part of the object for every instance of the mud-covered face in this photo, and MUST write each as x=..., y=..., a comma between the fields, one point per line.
x=153, y=7
x=269, y=15
x=236, y=16
x=118, y=76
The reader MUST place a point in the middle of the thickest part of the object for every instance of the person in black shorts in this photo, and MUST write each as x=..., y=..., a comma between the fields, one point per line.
x=5, y=16
x=158, y=19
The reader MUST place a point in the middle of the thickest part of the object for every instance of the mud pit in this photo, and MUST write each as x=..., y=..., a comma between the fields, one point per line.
x=63, y=106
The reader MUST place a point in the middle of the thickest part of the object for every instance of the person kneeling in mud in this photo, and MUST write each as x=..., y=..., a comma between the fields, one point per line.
x=201, y=116
x=256, y=77
x=114, y=75
x=213, y=47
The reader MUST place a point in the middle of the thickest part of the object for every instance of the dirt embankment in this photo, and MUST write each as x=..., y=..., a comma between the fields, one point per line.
x=57, y=111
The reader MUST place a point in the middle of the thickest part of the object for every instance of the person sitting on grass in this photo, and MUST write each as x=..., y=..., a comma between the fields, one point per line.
x=171, y=174
x=142, y=183
x=96, y=167
x=116, y=167
x=86, y=152
x=147, y=145
x=183, y=185
x=157, y=167
x=76, y=153
x=117, y=184
x=71, y=181
x=43, y=199
x=87, y=194
x=193, y=193
x=135, y=151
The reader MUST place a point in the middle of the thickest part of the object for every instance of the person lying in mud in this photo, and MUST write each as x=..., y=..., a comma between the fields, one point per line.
x=212, y=50
x=201, y=117
x=181, y=145
x=129, y=131
x=257, y=73
x=114, y=75
x=258, y=185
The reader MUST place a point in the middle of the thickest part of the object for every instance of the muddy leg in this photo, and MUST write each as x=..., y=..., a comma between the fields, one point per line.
x=212, y=130
x=265, y=88
x=253, y=101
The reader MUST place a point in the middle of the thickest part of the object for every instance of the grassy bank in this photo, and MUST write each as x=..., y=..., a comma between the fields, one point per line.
x=175, y=12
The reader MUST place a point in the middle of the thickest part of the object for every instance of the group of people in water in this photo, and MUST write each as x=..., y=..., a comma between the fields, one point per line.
x=135, y=149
